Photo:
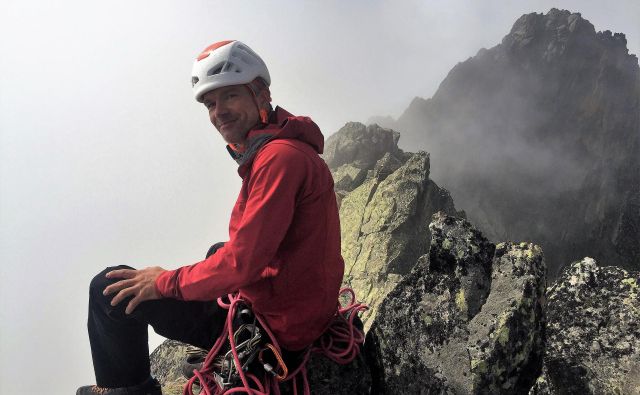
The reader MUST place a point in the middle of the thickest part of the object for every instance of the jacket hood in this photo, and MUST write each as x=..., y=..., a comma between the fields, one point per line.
x=282, y=125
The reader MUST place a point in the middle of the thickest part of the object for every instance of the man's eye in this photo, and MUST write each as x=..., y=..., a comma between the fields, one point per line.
x=210, y=105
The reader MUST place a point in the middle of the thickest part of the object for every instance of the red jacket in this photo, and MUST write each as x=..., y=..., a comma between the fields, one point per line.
x=283, y=253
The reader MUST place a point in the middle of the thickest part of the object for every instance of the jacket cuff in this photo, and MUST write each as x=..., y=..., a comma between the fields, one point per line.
x=167, y=284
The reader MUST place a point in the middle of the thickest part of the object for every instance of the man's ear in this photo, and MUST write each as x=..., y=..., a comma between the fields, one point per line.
x=264, y=104
x=264, y=98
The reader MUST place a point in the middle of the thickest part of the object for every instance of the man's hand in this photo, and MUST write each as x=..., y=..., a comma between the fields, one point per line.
x=141, y=284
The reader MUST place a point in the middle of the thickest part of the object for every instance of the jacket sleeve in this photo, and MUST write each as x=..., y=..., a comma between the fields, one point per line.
x=276, y=180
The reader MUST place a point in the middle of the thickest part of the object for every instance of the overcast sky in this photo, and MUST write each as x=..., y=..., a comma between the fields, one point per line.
x=106, y=159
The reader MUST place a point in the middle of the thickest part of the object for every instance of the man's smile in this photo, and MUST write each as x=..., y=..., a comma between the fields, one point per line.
x=227, y=123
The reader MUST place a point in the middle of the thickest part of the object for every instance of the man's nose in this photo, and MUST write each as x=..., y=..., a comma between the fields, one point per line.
x=221, y=111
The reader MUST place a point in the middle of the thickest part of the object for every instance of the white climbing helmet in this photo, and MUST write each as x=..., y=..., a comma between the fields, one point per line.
x=226, y=63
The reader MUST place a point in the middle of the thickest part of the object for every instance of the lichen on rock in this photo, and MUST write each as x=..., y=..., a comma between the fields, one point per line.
x=593, y=332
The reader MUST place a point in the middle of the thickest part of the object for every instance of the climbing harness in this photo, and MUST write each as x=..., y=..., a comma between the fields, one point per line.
x=250, y=343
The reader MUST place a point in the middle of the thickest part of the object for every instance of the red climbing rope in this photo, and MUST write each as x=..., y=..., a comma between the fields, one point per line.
x=340, y=342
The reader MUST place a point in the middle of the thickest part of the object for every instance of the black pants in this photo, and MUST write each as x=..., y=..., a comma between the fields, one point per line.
x=119, y=342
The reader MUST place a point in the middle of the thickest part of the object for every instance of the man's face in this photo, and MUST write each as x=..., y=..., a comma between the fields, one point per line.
x=232, y=111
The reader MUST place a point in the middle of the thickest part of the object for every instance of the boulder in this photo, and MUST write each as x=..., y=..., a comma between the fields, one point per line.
x=467, y=319
x=593, y=332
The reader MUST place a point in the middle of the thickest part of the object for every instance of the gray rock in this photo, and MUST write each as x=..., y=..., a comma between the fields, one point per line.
x=593, y=332
x=466, y=320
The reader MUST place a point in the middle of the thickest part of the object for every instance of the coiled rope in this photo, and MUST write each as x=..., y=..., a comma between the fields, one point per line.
x=340, y=342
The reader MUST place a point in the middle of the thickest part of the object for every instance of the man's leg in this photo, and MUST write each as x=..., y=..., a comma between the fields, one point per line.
x=119, y=342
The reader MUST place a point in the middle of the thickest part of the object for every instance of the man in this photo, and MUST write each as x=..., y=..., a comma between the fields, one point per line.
x=283, y=253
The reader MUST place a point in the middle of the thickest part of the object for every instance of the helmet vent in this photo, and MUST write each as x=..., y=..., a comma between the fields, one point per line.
x=216, y=70
x=194, y=81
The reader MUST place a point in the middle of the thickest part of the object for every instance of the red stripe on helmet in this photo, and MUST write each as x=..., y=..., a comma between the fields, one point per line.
x=212, y=48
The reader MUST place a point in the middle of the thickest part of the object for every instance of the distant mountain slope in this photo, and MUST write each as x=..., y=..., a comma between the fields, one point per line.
x=538, y=137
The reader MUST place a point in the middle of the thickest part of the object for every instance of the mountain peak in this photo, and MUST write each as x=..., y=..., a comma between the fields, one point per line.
x=549, y=36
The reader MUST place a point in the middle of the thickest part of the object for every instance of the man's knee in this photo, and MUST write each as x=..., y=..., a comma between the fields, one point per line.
x=215, y=247
x=100, y=282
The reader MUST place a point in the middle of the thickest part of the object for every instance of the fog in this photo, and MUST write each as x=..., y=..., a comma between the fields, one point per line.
x=106, y=159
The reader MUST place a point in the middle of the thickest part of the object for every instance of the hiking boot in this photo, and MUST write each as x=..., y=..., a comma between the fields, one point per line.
x=149, y=387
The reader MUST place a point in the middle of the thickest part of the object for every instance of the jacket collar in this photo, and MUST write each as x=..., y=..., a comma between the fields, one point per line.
x=282, y=125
